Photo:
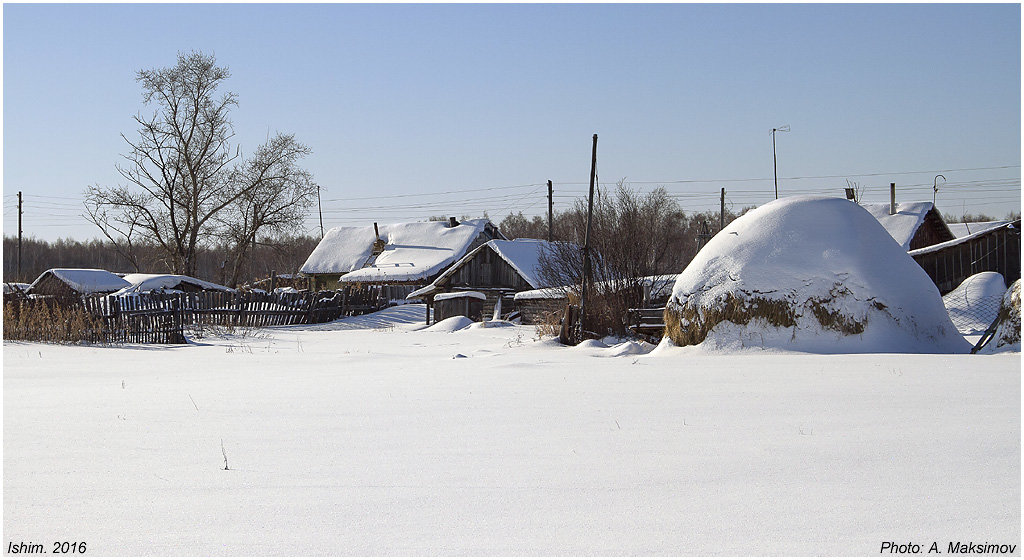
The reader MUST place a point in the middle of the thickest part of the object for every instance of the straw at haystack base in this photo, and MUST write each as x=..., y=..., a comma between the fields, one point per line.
x=687, y=324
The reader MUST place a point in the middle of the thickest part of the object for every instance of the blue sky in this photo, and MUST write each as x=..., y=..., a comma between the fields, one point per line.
x=401, y=103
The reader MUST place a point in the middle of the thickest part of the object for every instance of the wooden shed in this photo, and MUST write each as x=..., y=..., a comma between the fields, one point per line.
x=544, y=306
x=913, y=225
x=454, y=304
x=76, y=282
x=993, y=250
x=499, y=269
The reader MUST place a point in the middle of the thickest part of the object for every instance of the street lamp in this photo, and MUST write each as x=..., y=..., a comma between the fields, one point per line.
x=775, y=160
x=935, y=187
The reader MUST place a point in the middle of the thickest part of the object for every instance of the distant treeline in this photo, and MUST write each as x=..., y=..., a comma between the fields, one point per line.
x=283, y=256
x=950, y=218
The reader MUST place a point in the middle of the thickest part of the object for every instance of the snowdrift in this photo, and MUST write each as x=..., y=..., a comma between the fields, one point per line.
x=809, y=274
x=451, y=324
x=1007, y=335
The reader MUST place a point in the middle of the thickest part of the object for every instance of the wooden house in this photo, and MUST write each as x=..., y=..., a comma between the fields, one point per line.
x=996, y=249
x=498, y=269
x=913, y=224
x=71, y=283
x=379, y=264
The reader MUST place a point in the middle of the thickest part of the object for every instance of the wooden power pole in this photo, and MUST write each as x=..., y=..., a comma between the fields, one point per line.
x=551, y=205
x=587, y=265
x=721, y=213
x=320, y=209
x=19, y=236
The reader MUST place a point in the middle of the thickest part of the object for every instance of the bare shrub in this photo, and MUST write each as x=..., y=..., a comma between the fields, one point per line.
x=50, y=321
x=634, y=237
x=549, y=324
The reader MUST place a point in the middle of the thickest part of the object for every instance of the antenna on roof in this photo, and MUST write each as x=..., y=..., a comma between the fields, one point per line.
x=775, y=160
x=935, y=186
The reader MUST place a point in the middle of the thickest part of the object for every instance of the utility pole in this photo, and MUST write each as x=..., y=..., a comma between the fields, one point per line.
x=320, y=209
x=19, y=236
x=551, y=224
x=587, y=265
x=775, y=159
x=721, y=214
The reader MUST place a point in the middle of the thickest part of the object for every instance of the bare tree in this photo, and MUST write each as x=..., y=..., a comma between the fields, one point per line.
x=516, y=226
x=635, y=237
x=179, y=171
x=277, y=194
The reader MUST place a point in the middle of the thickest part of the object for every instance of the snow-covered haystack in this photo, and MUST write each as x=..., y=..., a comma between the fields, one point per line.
x=974, y=304
x=1007, y=335
x=809, y=274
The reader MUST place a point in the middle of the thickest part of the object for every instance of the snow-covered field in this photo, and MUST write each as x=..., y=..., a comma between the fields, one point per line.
x=372, y=436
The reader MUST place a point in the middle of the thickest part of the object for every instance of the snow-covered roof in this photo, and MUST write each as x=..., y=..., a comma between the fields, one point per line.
x=11, y=287
x=543, y=293
x=150, y=282
x=904, y=223
x=84, y=280
x=412, y=251
x=963, y=229
x=343, y=249
x=522, y=254
x=957, y=241
x=455, y=295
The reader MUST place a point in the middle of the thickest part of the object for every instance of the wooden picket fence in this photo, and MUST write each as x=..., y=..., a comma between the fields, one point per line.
x=155, y=318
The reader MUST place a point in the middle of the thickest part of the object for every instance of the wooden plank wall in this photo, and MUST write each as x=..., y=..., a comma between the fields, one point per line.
x=996, y=251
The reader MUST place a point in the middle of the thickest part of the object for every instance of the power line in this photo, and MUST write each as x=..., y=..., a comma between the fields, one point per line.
x=392, y=196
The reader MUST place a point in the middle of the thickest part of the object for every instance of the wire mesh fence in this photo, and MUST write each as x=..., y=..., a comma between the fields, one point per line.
x=972, y=313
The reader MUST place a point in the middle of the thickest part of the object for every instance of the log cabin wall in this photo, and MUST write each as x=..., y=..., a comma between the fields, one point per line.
x=539, y=311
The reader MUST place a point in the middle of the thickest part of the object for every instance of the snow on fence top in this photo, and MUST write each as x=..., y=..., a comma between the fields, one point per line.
x=83, y=280
x=904, y=223
x=412, y=251
x=455, y=295
x=809, y=274
x=150, y=282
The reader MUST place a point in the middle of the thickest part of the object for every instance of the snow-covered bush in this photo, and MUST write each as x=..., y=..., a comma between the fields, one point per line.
x=809, y=274
x=1007, y=335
